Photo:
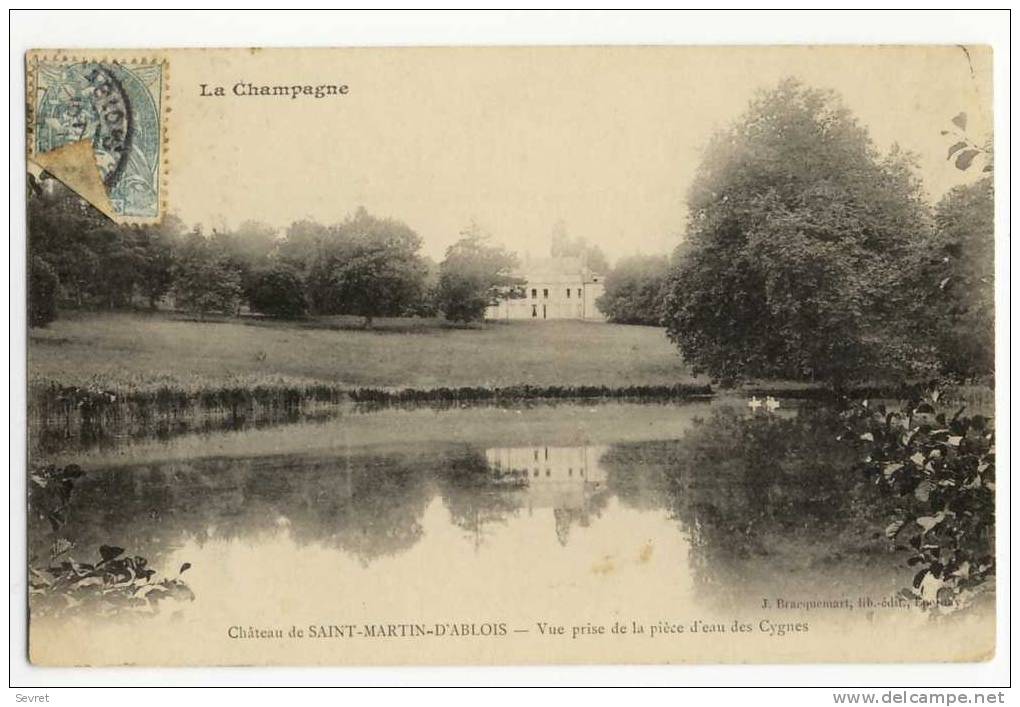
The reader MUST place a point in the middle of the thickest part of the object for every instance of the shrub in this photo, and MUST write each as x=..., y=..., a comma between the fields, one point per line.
x=278, y=292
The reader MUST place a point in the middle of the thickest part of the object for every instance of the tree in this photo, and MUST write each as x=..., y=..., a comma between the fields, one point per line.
x=204, y=280
x=279, y=292
x=634, y=290
x=800, y=244
x=562, y=245
x=964, y=270
x=247, y=250
x=303, y=244
x=369, y=267
x=473, y=276
x=157, y=264
x=121, y=261
x=43, y=284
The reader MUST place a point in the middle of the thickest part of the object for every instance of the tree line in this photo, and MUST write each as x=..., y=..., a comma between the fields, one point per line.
x=366, y=265
x=810, y=255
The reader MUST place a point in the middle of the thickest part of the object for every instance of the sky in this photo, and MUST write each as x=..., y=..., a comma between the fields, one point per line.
x=604, y=139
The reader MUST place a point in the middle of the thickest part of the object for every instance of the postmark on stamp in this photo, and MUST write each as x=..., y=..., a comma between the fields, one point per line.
x=98, y=125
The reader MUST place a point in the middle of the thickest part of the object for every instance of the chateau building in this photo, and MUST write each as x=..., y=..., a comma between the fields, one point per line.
x=554, y=288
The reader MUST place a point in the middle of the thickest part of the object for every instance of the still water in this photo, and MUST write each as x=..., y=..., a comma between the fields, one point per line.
x=487, y=526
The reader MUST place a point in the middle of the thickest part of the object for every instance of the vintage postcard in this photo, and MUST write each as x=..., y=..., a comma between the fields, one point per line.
x=516, y=355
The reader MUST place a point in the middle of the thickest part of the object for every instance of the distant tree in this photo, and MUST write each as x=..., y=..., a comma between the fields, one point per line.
x=562, y=245
x=121, y=262
x=427, y=305
x=303, y=244
x=473, y=276
x=43, y=284
x=279, y=292
x=157, y=263
x=369, y=267
x=801, y=240
x=204, y=280
x=247, y=250
x=634, y=290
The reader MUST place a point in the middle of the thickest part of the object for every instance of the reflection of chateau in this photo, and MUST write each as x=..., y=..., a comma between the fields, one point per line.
x=568, y=480
x=554, y=288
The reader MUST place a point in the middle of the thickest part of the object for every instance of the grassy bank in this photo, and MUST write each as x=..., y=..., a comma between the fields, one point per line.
x=148, y=352
x=98, y=368
x=89, y=369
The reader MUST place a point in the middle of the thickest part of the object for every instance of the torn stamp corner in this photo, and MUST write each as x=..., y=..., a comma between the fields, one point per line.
x=98, y=124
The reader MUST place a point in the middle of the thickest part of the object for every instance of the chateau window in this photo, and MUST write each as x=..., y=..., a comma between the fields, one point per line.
x=534, y=310
x=548, y=472
x=545, y=293
x=534, y=293
x=536, y=455
x=578, y=291
x=568, y=293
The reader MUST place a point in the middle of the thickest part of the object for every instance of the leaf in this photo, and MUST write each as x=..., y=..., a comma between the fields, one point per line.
x=930, y=587
x=929, y=522
x=954, y=441
x=964, y=160
x=186, y=566
x=918, y=458
x=109, y=552
x=956, y=147
x=923, y=491
x=960, y=120
x=891, y=469
x=868, y=437
x=894, y=528
x=60, y=546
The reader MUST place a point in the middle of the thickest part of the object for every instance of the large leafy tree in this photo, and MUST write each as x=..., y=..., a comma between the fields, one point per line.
x=369, y=267
x=965, y=277
x=473, y=275
x=634, y=290
x=800, y=241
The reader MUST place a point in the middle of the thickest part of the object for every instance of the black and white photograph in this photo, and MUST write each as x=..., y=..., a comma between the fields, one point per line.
x=516, y=355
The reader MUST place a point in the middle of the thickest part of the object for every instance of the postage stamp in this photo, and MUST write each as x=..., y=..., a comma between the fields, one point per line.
x=117, y=108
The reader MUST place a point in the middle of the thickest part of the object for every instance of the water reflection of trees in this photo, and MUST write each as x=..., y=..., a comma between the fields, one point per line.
x=369, y=505
x=476, y=499
x=758, y=495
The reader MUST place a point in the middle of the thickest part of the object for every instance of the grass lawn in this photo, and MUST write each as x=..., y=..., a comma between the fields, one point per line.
x=138, y=350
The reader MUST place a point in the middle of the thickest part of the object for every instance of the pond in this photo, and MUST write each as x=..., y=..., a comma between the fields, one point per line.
x=612, y=532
